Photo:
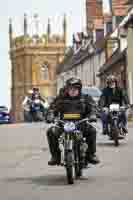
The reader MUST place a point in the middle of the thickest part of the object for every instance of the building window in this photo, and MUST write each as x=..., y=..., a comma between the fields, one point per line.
x=44, y=72
x=109, y=27
x=99, y=34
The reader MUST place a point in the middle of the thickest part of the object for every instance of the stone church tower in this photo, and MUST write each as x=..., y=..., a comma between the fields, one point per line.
x=34, y=60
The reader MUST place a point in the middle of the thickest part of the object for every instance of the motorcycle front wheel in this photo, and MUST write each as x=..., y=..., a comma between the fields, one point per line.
x=69, y=168
x=69, y=171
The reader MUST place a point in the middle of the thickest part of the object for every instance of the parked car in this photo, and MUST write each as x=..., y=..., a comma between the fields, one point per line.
x=4, y=115
x=94, y=92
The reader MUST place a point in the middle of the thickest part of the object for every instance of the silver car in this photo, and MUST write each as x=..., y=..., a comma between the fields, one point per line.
x=94, y=92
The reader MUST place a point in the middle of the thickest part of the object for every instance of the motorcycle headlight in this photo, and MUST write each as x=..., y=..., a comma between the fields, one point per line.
x=37, y=101
x=114, y=107
x=7, y=117
x=69, y=127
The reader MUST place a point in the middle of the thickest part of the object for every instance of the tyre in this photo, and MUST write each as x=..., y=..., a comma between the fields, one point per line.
x=69, y=171
x=116, y=139
x=116, y=134
x=69, y=167
x=78, y=170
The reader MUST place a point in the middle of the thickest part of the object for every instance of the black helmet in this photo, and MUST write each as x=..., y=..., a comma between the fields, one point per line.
x=36, y=89
x=74, y=82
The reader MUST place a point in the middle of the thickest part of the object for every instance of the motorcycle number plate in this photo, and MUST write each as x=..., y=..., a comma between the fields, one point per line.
x=114, y=107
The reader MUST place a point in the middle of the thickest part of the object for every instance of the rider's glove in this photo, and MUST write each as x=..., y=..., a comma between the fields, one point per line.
x=50, y=117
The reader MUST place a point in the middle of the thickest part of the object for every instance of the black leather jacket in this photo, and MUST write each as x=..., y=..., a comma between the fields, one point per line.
x=82, y=105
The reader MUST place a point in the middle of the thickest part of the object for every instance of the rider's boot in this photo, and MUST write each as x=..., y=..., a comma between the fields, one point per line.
x=93, y=159
x=54, y=161
x=91, y=152
x=125, y=129
x=54, y=148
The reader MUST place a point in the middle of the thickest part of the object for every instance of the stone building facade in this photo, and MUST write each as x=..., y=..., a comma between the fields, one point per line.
x=33, y=61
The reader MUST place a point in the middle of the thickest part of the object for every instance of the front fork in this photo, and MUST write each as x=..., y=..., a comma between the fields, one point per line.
x=66, y=146
x=77, y=149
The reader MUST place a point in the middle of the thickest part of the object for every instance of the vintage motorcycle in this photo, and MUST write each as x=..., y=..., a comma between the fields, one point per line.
x=115, y=125
x=36, y=110
x=73, y=148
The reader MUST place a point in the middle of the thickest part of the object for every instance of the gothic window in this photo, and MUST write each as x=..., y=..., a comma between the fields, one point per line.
x=44, y=71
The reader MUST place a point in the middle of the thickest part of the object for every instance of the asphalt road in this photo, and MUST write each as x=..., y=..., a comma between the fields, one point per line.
x=25, y=175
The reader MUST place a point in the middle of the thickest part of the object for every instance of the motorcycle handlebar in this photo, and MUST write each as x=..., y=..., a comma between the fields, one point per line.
x=79, y=122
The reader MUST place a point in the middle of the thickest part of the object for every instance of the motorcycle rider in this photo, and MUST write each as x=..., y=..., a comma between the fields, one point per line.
x=71, y=101
x=26, y=105
x=112, y=93
x=44, y=103
x=32, y=95
x=36, y=93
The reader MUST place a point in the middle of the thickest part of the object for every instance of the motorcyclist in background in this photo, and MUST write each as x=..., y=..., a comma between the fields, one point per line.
x=26, y=105
x=36, y=93
x=112, y=93
x=31, y=97
x=72, y=102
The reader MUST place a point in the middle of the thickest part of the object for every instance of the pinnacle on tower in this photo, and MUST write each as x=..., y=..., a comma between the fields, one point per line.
x=10, y=26
x=65, y=28
x=36, y=22
x=48, y=29
x=25, y=25
x=10, y=32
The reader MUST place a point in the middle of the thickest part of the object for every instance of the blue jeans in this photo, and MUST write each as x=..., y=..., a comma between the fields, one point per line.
x=105, y=119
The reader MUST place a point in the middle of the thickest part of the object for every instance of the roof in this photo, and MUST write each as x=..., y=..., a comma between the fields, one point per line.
x=116, y=57
x=129, y=2
x=74, y=59
x=81, y=55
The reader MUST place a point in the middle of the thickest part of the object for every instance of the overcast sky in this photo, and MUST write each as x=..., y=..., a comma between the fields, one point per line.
x=55, y=9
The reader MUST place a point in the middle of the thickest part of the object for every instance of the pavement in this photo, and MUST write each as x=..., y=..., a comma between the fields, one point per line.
x=25, y=175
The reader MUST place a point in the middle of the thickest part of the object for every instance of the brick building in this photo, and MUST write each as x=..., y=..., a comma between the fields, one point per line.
x=94, y=16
